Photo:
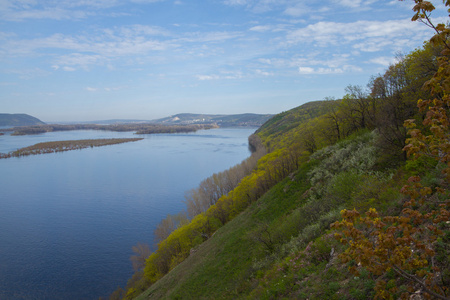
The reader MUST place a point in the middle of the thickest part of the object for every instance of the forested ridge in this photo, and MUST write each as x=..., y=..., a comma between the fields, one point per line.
x=341, y=199
x=18, y=120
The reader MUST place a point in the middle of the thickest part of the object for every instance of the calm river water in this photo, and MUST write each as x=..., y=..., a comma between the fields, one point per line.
x=68, y=220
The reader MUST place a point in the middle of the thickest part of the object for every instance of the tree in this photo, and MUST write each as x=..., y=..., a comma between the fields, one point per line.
x=169, y=224
x=356, y=106
x=404, y=244
x=394, y=96
x=141, y=253
x=335, y=119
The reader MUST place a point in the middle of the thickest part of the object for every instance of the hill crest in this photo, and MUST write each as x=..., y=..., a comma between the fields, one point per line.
x=18, y=120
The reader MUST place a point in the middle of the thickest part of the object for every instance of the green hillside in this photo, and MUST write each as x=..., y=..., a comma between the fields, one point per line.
x=342, y=199
x=294, y=118
x=18, y=120
x=255, y=254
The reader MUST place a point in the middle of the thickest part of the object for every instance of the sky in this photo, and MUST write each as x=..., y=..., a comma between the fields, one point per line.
x=82, y=60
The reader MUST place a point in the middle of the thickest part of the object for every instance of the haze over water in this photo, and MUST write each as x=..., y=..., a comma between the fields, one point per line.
x=68, y=220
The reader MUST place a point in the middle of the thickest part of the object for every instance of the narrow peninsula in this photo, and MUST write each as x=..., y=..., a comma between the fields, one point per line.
x=60, y=146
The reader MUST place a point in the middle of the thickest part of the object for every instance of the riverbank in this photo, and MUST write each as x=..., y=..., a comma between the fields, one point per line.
x=61, y=146
x=138, y=128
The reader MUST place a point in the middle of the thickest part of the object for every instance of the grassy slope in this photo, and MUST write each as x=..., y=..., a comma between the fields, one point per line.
x=287, y=123
x=295, y=217
x=222, y=267
x=231, y=264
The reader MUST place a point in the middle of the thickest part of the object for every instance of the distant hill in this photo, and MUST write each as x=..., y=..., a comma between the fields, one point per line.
x=18, y=120
x=221, y=120
x=110, y=122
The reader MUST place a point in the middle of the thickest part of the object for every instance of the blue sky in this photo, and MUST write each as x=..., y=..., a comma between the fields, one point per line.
x=81, y=60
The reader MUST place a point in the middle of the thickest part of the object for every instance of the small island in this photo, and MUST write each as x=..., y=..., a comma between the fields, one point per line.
x=60, y=146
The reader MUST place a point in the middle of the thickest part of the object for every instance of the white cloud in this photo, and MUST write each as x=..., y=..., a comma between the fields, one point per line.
x=322, y=71
x=365, y=35
x=50, y=13
x=383, y=60
x=261, y=28
x=349, y=3
x=313, y=63
x=354, y=3
x=138, y=30
x=97, y=48
x=207, y=77
x=106, y=89
x=306, y=70
x=263, y=73
x=316, y=63
x=204, y=37
x=297, y=10
x=28, y=73
x=69, y=69
x=222, y=75
x=145, y=1
x=237, y=2
x=78, y=59
x=111, y=89
x=19, y=10
x=258, y=6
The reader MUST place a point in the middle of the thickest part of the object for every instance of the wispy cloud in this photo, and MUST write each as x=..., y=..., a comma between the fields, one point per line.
x=106, y=89
x=344, y=69
x=28, y=73
x=221, y=76
x=263, y=73
x=350, y=3
x=237, y=2
x=97, y=48
x=311, y=64
x=259, y=6
x=20, y=10
x=363, y=35
x=383, y=60
x=69, y=69
x=298, y=10
x=154, y=46
x=205, y=37
x=261, y=28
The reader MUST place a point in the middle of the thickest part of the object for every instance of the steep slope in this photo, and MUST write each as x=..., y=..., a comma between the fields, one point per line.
x=290, y=120
x=298, y=127
x=261, y=253
x=280, y=244
x=227, y=260
x=333, y=211
x=223, y=266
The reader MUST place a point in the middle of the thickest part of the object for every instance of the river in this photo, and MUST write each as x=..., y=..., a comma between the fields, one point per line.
x=68, y=220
